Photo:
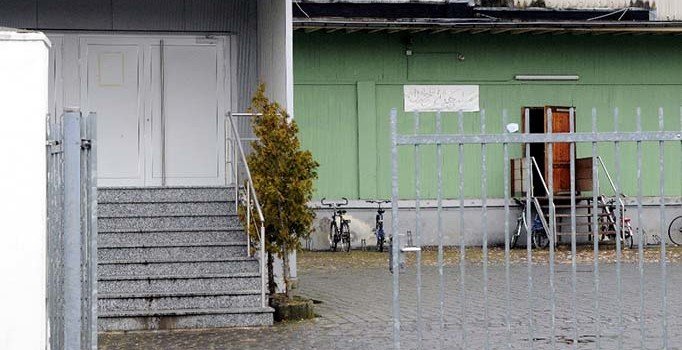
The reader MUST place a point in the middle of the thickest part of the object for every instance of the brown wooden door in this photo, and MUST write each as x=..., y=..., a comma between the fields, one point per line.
x=561, y=123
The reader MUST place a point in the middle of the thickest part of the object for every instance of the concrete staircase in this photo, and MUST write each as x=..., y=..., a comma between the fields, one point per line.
x=174, y=258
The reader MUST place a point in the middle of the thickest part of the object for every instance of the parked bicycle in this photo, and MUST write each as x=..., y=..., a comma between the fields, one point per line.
x=338, y=232
x=379, y=224
x=675, y=230
x=607, y=228
x=538, y=234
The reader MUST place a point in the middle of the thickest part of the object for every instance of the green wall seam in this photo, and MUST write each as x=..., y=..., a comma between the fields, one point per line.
x=367, y=140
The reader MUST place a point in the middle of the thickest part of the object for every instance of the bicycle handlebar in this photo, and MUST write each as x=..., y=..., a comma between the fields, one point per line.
x=334, y=204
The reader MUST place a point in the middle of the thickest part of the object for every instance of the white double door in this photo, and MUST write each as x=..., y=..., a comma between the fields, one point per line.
x=160, y=103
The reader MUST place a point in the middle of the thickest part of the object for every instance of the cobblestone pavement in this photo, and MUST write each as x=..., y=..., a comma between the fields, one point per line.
x=355, y=312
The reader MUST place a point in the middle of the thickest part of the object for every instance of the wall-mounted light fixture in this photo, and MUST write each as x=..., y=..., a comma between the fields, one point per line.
x=547, y=77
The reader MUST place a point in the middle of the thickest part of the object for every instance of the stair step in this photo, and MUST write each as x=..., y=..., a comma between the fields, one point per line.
x=577, y=206
x=176, y=294
x=167, y=223
x=178, y=285
x=184, y=318
x=172, y=244
x=170, y=254
x=182, y=268
x=118, y=210
x=563, y=198
x=225, y=301
x=578, y=215
x=164, y=194
x=578, y=233
x=113, y=239
x=176, y=276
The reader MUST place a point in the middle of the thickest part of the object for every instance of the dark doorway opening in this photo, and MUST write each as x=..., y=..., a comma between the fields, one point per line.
x=537, y=150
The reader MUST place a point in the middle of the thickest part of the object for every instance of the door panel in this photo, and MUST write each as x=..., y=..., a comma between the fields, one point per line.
x=561, y=152
x=192, y=137
x=113, y=89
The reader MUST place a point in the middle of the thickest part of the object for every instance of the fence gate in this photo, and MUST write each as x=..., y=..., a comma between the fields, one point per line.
x=72, y=231
x=588, y=277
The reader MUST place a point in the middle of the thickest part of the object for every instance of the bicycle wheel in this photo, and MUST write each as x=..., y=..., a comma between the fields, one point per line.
x=345, y=237
x=540, y=239
x=675, y=231
x=515, y=235
x=333, y=236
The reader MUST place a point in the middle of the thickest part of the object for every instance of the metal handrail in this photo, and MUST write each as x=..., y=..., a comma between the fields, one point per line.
x=618, y=195
x=251, y=195
x=552, y=208
x=542, y=179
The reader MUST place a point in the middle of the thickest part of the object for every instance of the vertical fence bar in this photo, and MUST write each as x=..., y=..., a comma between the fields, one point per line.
x=552, y=228
x=441, y=276
x=85, y=237
x=462, y=242
x=72, y=230
x=664, y=272
x=574, y=265
x=595, y=228
x=484, y=224
x=507, y=246
x=529, y=243
x=395, y=246
x=92, y=203
x=417, y=233
x=640, y=236
x=620, y=235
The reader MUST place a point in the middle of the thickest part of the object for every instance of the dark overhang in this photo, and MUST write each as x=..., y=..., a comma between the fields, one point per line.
x=458, y=10
x=478, y=26
x=461, y=17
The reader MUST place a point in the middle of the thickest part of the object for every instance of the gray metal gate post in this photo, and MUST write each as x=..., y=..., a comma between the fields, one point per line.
x=72, y=229
x=72, y=232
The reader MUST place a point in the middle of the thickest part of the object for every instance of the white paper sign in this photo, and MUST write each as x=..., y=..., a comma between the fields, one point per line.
x=444, y=98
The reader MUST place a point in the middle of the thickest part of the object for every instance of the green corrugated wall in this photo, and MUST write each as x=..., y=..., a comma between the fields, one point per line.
x=346, y=84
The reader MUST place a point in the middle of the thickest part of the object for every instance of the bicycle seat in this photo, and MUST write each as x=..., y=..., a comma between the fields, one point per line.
x=342, y=212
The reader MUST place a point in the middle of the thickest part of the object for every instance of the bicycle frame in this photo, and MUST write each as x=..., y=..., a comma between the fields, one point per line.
x=336, y=213
x=379, y=223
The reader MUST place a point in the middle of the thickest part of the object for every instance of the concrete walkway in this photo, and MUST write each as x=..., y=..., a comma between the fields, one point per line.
x=354, y=295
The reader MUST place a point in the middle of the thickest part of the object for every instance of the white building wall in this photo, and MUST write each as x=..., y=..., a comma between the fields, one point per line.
x=275, y=53
x=23, y=106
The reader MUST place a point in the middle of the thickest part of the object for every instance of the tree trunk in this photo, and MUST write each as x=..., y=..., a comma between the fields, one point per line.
x=271, y=274
x=285, y=268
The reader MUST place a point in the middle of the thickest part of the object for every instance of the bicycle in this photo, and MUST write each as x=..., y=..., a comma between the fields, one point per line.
x=338, y=232
x=379, y=224
x=608, y=224
x=675, y=230
x=538, y=234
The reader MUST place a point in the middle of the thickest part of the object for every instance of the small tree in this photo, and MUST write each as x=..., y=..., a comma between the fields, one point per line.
x=283, y=176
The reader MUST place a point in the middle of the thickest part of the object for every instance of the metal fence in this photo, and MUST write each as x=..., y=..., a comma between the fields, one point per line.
x=532, y=304
x=72, y=231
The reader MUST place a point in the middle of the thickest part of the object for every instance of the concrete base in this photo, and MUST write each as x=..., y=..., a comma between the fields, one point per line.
x=296, y=308
x=362, y=219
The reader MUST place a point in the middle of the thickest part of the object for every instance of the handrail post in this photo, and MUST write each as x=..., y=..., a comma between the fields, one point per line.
x=248, y=221
x=262, y=264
